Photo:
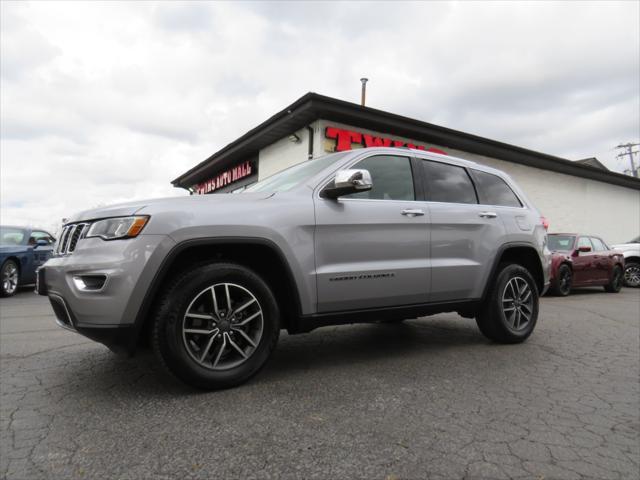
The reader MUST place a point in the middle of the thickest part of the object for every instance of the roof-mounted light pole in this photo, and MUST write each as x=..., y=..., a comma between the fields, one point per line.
x=363, y=97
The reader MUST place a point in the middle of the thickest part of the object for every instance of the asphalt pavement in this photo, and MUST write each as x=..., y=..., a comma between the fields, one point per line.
x=430, y=398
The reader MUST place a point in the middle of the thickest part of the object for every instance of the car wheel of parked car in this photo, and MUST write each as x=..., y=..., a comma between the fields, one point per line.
x=615, y=285
x=510, y=310
x=562, y=284
x=632, y=275
x=216, y=325
x=10, y=276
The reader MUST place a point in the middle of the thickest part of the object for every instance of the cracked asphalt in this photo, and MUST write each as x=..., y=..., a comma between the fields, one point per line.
x=430, y=398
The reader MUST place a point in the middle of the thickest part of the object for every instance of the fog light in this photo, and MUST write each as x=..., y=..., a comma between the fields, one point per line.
x=88, y=283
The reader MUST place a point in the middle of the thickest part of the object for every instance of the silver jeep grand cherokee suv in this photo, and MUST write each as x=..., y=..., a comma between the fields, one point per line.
x=360, y=236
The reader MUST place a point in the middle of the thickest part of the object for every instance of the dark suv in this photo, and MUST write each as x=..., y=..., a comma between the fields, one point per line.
x=366, y=235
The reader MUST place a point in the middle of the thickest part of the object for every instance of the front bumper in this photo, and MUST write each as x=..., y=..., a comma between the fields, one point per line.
x=109, y=312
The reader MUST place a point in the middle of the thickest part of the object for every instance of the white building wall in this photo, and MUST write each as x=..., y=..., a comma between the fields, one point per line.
x=284, y=153
x=571, y=204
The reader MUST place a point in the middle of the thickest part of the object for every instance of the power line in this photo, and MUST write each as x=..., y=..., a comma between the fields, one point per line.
x=627, y=151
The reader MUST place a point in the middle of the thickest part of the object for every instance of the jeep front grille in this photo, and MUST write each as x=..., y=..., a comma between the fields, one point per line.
x=69, y=238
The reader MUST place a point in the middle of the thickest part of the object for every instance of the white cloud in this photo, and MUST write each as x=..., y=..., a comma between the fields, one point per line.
x=105, y=102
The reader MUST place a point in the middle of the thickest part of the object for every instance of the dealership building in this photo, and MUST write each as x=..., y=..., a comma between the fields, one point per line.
x=575, y=196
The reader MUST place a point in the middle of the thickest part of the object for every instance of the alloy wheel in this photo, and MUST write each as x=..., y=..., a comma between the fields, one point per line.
x=565, y=281
x=10, y=278
x=517, y=303
x=632, y=275
x=222, y=326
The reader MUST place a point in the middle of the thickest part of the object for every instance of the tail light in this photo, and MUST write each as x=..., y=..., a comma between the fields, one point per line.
x=545, y=222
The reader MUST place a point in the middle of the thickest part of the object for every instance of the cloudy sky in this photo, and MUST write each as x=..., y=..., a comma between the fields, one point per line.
x=102, y=103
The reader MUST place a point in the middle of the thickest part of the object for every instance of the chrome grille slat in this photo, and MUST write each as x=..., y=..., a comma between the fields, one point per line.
x=69, y=238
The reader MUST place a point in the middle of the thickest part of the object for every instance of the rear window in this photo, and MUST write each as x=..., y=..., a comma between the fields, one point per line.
x=493, y=190
x=448, y=183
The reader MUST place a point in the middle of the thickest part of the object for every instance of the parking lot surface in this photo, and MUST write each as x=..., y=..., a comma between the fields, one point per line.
x=430, y=398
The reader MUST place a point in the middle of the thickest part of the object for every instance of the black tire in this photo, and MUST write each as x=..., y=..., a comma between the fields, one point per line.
x=615, y=283
x=176, y=353
x=498, y=323
x=562, y=283
x=632, y=274
x=9, y=278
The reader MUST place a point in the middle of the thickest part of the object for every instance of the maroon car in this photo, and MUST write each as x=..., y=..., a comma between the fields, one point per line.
x=583, y=261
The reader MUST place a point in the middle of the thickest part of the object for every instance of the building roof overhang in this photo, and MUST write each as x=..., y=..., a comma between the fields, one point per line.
x=312, y=107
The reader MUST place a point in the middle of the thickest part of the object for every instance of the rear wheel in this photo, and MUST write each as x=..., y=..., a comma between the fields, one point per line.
x=615, y=284
x=510, y=310
x=632, y=274
x=563, y=282
x=10, y=277
x=216, y=326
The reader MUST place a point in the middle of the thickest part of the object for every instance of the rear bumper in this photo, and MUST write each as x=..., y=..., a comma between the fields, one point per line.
x=105, y=311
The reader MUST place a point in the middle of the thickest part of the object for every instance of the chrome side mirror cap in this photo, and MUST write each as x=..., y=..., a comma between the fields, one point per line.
x=348, y=181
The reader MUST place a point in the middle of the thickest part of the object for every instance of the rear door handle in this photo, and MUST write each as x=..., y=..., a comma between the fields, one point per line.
x=488, y=214
x=412, y=212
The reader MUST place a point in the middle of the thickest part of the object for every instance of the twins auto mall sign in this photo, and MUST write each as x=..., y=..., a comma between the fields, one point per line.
x=345, y=140
x=225, y=178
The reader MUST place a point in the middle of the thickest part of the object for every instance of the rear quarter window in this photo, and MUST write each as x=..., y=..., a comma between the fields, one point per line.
x=493, y=190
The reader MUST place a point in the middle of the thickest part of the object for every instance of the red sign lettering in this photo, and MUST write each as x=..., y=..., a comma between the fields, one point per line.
x=345, y=139
x=225, y=178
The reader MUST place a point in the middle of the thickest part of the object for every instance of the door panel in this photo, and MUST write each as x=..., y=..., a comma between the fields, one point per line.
x=584, y=264
x=368, y=254
x=463, y=244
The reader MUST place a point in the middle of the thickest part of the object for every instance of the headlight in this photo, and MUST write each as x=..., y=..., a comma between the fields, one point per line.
x=121, y=227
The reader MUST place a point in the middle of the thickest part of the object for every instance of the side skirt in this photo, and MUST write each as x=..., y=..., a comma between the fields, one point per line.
x=307, y=323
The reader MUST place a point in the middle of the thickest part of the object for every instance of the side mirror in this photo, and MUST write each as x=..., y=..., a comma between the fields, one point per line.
x=584, y=249
x=348, y=181
x=40, y=243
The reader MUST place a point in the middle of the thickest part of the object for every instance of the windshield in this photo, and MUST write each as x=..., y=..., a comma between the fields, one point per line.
x=293, y=176
x=12, y=236
x=561, y=242
x=635, y=240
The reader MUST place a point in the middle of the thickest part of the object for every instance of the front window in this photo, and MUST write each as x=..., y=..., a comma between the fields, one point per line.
x=296, y=175
x=598, y=245
x=561, y=243
x=584, y=242
x=391, y=176
x=12, y=236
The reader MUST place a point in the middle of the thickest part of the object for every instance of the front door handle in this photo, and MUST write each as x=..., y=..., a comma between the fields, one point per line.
x=412, y=212
x=488, y=214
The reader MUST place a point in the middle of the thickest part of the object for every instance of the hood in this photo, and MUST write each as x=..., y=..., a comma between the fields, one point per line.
x=149, y=206
x=12, y=248
x=626, y=246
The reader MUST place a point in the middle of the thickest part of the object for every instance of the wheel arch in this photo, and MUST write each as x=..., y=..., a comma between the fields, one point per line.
x=523, y=254
x=632, y=259
x=260, y=255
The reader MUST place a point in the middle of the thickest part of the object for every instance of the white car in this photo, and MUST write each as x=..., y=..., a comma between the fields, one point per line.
x=631, y=252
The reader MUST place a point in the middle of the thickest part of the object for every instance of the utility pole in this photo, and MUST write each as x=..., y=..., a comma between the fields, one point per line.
x=627, y=151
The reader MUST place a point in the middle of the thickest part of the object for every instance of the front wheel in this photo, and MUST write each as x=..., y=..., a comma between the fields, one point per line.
x=10, y=276
x=615, y=284
x=510, y=310
x=632, y=275
x=563, y=282
x=216, y=326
